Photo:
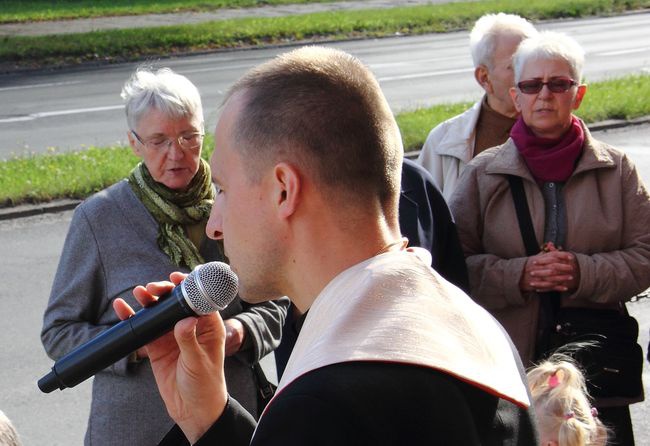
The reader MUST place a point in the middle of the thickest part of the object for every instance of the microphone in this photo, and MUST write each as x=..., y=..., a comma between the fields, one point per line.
x=208, y=288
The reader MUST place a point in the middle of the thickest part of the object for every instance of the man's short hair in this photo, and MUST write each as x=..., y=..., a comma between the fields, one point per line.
x=486, y=30
x=323, y=110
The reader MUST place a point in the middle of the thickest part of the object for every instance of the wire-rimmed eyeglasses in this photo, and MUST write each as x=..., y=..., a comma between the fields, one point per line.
x=186, y=141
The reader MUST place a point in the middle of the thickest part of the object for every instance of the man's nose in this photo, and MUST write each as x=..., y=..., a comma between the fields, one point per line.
x=214, y=228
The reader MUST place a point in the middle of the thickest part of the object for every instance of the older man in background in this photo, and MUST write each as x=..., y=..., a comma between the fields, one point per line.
x=453, y=143
x=388, y=353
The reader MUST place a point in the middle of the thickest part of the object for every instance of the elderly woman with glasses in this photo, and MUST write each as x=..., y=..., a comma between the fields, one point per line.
x=589, y=212
x=138, y=231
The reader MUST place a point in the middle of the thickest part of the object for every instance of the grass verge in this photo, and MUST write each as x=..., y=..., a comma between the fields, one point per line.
x=41, y=10
x=133, y=44
x=39, y=178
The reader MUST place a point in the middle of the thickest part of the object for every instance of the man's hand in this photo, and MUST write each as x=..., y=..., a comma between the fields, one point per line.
x=235, y=334
x=187, y=363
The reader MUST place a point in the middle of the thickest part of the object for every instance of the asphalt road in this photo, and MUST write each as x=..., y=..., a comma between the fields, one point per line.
x=71, y=109
x=29, y=252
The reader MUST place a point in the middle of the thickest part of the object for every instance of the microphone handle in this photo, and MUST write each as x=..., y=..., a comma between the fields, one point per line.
x=117, y=342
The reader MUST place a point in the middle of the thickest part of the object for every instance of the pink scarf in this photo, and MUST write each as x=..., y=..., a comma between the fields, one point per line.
x=549, y=159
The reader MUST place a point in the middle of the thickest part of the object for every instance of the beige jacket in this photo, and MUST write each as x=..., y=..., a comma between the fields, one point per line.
x=608, y=229
x=448, y=149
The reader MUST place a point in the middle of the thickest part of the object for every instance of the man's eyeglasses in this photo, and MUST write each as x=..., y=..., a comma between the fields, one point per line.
x=555, y=84
x=186, y=141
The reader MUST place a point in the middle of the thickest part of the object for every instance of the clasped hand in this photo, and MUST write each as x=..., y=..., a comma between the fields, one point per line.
x=550, y=270
x=187, y=362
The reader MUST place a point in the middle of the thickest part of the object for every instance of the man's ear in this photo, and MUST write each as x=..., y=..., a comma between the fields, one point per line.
x=481, y=75
x=514, y=94
x=287, y=188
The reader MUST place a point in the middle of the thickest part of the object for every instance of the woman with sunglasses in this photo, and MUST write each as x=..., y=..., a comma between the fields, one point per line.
x=139, y=231
x=588, y=207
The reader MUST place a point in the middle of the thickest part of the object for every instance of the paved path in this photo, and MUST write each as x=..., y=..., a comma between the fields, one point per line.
x=121, y=22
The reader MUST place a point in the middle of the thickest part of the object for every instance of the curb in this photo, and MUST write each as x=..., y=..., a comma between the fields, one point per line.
x=29, y=210
x=611, y=124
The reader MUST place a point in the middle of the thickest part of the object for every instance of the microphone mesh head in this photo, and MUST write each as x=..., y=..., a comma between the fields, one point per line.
x=210, y=287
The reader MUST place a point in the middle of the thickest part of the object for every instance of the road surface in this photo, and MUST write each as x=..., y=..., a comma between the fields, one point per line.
x=72, y=109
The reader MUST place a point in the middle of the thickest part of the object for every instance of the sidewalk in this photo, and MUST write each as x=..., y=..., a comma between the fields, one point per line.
x=150, y=20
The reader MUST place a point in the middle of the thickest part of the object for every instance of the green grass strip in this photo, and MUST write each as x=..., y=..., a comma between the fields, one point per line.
x=12, y=11
x=38, y=178
x=133, y=44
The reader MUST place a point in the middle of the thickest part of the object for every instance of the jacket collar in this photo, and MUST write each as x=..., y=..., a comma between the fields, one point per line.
x=460, y=128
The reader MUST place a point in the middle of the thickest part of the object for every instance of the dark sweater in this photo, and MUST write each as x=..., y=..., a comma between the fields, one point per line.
x=375, y=403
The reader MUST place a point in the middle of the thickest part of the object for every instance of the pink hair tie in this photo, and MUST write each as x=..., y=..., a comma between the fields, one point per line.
x=594, y=412
x=569, y=415
x=553, y=381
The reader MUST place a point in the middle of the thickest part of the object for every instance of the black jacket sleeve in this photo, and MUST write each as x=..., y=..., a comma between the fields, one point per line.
x=425, y=219
x=235, y=427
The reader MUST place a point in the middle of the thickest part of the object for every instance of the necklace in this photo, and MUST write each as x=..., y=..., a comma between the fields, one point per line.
x=403, y=241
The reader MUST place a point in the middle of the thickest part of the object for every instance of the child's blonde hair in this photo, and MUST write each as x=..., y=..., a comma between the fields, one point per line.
x=8, y=434
x=562, y=405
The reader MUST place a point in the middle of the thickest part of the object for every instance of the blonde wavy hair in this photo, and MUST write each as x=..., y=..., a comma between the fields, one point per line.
x=8, y=434
x=564, y=413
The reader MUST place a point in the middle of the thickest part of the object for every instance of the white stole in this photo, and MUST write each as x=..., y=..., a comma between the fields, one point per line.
x=395, y=308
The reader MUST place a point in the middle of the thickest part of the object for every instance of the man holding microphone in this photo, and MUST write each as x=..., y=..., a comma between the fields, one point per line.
x=307, y=167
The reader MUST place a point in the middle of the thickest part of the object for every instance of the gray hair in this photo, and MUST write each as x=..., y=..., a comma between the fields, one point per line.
x=8, y=434
x=171, y=93
x=550, y=45
x=486, y=30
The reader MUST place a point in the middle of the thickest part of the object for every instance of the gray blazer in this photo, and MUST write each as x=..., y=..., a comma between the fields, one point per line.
x=110, y=248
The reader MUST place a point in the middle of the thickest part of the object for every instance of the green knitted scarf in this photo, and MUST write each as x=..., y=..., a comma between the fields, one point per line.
x=175, y=209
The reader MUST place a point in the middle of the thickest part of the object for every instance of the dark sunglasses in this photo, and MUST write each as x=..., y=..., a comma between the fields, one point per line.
x=555, y=84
